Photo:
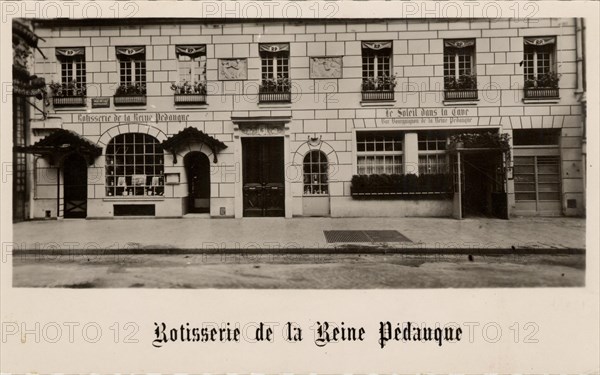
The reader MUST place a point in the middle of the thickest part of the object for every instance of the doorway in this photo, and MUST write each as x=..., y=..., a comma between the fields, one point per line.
x=263, y=176
x=75, y=187
x=484, y=193
x=197, y=167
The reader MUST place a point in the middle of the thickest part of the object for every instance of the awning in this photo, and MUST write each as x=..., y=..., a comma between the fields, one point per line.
x=274, y=47
x=539, y=41
x=191, y=51
x=192, y=135
x=61, y=143
x=459, y=43
x=70, y=52
x=376, y=46
x=130, y=51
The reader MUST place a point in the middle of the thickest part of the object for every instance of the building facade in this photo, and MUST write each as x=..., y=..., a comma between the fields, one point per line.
x=341, y=118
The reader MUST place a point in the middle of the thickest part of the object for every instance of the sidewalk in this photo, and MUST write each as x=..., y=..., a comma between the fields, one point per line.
x=427, y=235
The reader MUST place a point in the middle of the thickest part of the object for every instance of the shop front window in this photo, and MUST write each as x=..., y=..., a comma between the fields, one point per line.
x=134, y=166
x=379, y=153
x=315, y=173
x=432, y=153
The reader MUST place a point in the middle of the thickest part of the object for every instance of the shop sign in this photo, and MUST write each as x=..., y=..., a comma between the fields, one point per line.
x=430, y=116
x=102, y=102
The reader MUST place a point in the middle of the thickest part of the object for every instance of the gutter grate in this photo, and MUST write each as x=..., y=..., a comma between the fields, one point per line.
x=333, y=236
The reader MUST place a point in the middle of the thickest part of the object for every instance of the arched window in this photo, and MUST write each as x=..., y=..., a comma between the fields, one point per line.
x=134, y=166
x=315, y=173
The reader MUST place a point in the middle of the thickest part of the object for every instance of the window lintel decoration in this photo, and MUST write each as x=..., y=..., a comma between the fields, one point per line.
x=460, y=43
x=377, y=45
x=539, y=41
x=274, y=47
x=130, y=51
x=69, y=52
x=191, y=50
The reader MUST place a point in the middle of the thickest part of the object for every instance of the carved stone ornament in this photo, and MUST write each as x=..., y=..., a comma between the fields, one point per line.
x=262, y=130
x=325, y=67
x=233, y=69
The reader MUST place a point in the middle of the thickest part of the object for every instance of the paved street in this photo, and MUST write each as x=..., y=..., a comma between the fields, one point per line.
x=276, y=253
x=277, y=233
x=307, y=271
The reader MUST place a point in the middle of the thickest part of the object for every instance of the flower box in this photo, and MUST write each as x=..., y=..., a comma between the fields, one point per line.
x=276, y=90
x=461, y=94
x=541, y=92
x=377, y=95
x=274, y=97
x=410, y=186
x=190, y=98
x=68, y=101
x=121, y=100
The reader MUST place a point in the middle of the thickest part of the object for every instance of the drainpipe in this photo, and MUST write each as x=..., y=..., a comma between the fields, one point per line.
x=581, y=92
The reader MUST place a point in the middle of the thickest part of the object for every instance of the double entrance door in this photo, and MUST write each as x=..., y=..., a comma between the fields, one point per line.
x=263, y=176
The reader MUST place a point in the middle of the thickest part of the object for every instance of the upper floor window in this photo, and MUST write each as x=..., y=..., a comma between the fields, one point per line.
x=460, y=81
x=379, y=152
x=378, y=83
x=275, y=73
x=132, y=76
x=541, y=79
x=191, y=65
x=72, y=87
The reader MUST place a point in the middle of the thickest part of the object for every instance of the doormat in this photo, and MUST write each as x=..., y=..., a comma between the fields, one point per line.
x=333, y=236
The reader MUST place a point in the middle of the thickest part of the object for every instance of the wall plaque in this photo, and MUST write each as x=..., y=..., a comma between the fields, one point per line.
x=102, y=102
x=326, y=67
x=233, y=69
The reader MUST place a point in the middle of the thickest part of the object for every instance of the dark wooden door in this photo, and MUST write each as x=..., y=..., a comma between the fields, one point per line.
x=484, y=178
x=263, y=176
x=75, y=187
x=197, y=167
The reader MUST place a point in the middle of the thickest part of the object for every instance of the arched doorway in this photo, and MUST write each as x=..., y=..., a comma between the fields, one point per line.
x=75, y=186
x=197, y=168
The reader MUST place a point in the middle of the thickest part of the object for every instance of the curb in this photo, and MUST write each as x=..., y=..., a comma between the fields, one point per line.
x=321, y=251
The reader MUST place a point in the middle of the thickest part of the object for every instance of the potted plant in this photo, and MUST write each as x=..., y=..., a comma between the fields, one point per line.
x=378, y=88
x=463, y=87
x=275, y=90
x=130, y=94
x=189, y=93
x=71, y=93
x=492, y=140
x=397, y=186
x=542, y=86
